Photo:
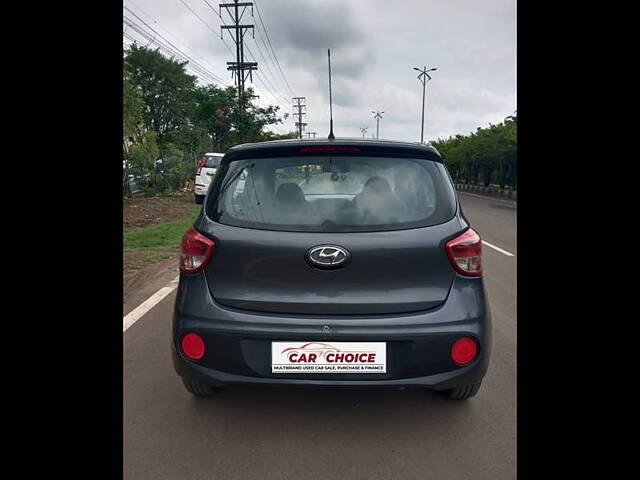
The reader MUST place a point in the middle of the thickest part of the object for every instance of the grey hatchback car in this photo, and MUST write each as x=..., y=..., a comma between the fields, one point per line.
x=332, y=263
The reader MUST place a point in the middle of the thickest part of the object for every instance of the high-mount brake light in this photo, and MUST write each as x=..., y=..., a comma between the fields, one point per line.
x=329, y=149
x=195, y=252
x=201, y=164
x=465, y=254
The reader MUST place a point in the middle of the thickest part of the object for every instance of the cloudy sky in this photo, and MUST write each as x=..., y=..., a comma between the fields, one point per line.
x=374, y=46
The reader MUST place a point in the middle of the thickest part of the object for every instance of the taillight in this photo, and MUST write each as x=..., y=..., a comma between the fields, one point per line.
x=195, y=252
x=193, y=346
x=463, y=351
x=465, y=254
x=201, y=164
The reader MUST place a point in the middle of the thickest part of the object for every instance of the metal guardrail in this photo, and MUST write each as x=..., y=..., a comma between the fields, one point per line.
x=489, y=191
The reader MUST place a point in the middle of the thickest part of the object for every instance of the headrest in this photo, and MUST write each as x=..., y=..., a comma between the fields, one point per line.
x=377, y=185
x=290, y=193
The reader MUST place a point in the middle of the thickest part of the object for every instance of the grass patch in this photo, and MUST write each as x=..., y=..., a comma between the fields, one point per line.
x=155, y=243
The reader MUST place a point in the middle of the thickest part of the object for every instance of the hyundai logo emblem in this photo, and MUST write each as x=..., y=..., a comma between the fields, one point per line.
x=328, y=256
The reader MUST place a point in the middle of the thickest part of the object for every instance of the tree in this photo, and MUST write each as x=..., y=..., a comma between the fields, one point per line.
x=131, y=118
x=170, y=121
x=227, y=122
x=489, y=154
x=165, y=88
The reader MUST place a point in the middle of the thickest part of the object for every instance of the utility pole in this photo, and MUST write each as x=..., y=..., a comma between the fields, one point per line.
x=308, y=134
x=299, y=104
x=424, y=77
x=377, y=116
x=363, y=130
x=239, y=69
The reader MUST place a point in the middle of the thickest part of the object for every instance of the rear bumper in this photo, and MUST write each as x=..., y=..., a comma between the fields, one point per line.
x=200, y=189
x=418, y=344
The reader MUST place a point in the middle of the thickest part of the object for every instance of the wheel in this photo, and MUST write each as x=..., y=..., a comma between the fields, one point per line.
x=464, y=392
x=199, y=199
x=197, y=388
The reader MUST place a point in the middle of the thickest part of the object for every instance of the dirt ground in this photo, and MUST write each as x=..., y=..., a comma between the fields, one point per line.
x=142, y=212
x=138, y=285
x=138, y=212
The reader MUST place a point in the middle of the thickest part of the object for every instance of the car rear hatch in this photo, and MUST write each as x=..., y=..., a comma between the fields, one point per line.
x=208, y=170
x=264, y=239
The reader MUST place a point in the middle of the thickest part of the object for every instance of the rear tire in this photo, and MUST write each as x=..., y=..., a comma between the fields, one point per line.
x=198, y=389
x=464, y=392
x=199, y=199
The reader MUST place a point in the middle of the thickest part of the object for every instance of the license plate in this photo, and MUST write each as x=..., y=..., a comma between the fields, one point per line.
x=328, y=357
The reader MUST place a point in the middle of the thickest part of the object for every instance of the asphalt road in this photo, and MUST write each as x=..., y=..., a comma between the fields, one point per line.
x=272, y=433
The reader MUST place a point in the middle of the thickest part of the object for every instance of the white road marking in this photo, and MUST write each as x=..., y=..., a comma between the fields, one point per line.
x=138, y=312
x=508, y=254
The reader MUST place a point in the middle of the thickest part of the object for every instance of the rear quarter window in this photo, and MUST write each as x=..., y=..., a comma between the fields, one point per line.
x=333, y=194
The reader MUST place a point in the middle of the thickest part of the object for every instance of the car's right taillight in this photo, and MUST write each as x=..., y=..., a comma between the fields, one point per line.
x=195, y=252
x=193, y=346
x=464, y=351
x=465, y=253
x=201, y=164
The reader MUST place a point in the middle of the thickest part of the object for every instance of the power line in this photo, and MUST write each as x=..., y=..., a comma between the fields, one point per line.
x=274, y=53
x=222, y=23
x=165, y=30
x=203, y=75
x=269, y=59
x=198, y=16
x=266, y=63
x=151, y=18
x=248, y=49
x=264, y=77
x=174, y=51
x=197, y=64
x=253, y=58
x=241, y=69
x=265, y=89
x=210, y=28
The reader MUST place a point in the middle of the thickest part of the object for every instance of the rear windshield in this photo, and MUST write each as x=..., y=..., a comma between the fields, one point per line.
x=213, y=161
x=333, y=194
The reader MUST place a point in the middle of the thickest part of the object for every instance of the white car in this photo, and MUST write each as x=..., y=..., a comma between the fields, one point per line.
x=207, y=169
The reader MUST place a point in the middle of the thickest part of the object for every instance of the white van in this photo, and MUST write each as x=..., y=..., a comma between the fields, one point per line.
x=207, y=169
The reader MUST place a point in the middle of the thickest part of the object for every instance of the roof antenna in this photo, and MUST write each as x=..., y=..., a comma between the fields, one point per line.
x=331, y=135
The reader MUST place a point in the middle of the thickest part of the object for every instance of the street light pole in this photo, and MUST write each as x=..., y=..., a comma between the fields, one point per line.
x=378, y=116
x=423, y=78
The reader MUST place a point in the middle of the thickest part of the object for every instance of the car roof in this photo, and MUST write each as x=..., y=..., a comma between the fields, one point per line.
x=366, y=146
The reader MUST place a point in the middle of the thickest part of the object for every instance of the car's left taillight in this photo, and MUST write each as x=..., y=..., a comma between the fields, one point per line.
x=465, y=254
x=201, y=164
x=195, y=252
